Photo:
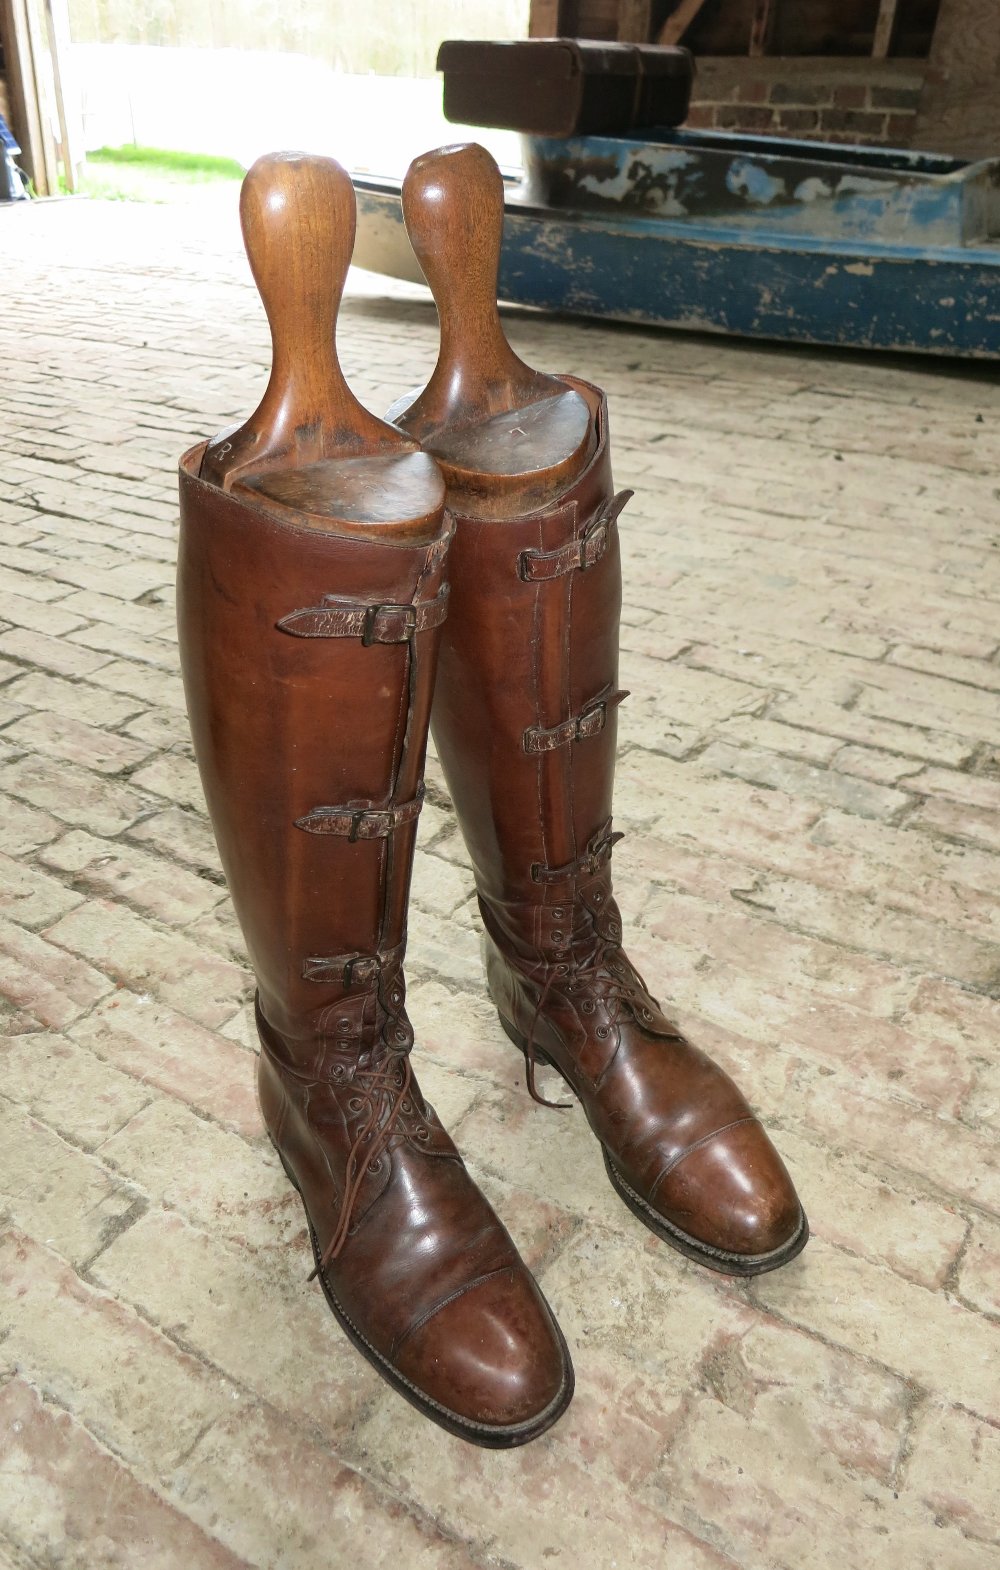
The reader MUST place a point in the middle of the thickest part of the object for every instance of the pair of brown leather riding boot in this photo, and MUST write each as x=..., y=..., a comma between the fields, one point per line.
x=344, y=583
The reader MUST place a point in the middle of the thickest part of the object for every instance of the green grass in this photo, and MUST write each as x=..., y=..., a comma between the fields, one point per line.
x=153, y=174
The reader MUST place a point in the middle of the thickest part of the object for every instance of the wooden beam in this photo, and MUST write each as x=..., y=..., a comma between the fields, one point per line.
x=545, y=19
x=25, y=114
x=65, y=148
x=635, y=21
x=679, y=21
x=762, y=26
x=884, y=29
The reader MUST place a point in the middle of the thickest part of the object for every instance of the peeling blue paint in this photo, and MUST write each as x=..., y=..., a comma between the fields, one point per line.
x=749, y=236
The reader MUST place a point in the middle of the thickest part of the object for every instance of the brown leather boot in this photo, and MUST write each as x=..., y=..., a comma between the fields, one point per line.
x=524, y=721
x=312, y=594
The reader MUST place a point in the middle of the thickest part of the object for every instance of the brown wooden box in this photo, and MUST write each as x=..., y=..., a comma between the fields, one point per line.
x=565, y=86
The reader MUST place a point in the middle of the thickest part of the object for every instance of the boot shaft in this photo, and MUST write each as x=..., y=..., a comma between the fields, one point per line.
x=308, y=659
x=525, y=707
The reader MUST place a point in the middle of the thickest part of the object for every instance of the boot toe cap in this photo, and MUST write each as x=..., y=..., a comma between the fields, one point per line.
x=732, y=1194
x=493, y=1357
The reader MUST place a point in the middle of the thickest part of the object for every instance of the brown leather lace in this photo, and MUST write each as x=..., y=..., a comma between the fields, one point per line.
x=569, y=975
x=379, y=1084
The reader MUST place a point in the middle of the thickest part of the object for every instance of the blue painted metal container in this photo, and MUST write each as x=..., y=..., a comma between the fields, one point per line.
x=756, y=236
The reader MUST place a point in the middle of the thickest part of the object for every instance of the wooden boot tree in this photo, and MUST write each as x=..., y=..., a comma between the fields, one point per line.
x=508, y=438
x=310, y=447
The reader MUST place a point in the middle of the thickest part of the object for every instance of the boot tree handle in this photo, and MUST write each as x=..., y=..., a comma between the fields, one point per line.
x=453, y=211
x=298, y=214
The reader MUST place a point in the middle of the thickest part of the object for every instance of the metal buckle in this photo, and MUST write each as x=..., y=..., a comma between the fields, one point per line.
x=370, y=960
x=594, y=539
x=591, y=722
x=372, y=614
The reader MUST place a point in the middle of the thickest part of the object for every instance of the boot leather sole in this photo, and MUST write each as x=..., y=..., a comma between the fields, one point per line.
x=490, y=1436
x=706, y=1254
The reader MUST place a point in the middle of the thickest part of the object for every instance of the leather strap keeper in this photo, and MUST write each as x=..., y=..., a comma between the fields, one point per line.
x=579, y=554
x=360, y=823
x=589, y=723
x=598, y=850
x=356, y=972
x=333, y=618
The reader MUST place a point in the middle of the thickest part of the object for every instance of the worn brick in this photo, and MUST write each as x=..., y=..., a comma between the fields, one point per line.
x=207, y=1173
x=37, y=616
x=122, y=872
x=166, y=1051
x=29, y=897
x=74, y=794
x=96, y=1355
x=24, y=828
x=138, y=955
x=174, y=775
x=876, y=1314
x=69, y=1089
x=250, y=1313
x=44, y=980
x=58, y=735
x=77, y=700
x=39, y=1169
x=966, y=1489
x=954, y=821
x=52, y=654
x=182, y=835
x=320, y=1502
x=979, y=1275
x=774, y=1493
x=67, y=1501
x=863, y=1211
x=144, y=682
x=801, y=779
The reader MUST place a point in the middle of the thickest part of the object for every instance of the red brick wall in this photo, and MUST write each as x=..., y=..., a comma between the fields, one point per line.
x=822, y=99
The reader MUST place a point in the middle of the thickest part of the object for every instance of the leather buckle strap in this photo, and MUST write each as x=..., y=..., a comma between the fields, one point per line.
x=580, y=554
x=590, y=722
x=598, y=850
x=361, y=823
x=355, y=972
x=336, y=618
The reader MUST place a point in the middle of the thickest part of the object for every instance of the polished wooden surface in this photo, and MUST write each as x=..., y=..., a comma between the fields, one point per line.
x=302, y=446
x=507, y=437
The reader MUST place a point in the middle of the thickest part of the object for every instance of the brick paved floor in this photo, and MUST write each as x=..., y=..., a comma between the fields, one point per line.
x=810, y=786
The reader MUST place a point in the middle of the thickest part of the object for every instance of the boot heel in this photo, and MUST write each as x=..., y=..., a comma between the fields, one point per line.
x=521, y=1042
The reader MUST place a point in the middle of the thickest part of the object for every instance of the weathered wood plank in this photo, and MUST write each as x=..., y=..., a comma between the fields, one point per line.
x=677, y=24
x=545, y=19
x=762, y=27
x=635, y=21
x=884, y=29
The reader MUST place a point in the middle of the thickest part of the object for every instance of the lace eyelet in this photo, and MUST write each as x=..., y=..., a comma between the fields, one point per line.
x=400, y=1033
x=375, y=1166
x=422, y=1133
x=558, y=913
x=343, y=1024
x=603, y=1032
x=355, y=1104
x=587, y=1005
x=557, y=937
x=598, y=899
x=561, y=969
x=406, y=1106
